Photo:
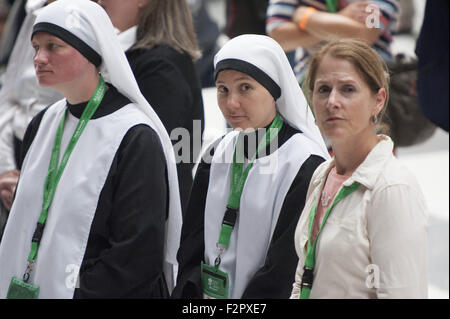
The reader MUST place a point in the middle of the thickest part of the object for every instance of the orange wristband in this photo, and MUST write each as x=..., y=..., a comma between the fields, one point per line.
x=305, y=17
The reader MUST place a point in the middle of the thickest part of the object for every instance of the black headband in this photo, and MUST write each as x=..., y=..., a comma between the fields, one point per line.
x=253, y=71
x=71, y=39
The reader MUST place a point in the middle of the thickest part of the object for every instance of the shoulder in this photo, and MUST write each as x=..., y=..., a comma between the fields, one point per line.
x=395, y=173
x=142, y=135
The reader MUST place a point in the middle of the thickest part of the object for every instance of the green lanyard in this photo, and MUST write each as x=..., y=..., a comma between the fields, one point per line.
x=310, y=261
x=238, y=178
x=55, y=172
x=332, y=6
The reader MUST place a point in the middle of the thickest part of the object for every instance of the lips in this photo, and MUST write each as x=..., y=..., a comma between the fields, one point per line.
x=42, y=72
x=334, y=118
x=236, y=117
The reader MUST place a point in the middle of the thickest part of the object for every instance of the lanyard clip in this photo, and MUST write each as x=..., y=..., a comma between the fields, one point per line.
x=220, y=249
x=308, y=277
x=26, y=275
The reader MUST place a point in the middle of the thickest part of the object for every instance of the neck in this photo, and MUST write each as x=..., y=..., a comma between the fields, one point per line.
x=81, y=90
x=349, y=154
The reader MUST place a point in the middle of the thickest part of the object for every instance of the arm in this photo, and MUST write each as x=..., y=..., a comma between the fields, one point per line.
x=349, y=22
x=279, y=25
x=396, y=224
x=134, y=202
x=275, y=278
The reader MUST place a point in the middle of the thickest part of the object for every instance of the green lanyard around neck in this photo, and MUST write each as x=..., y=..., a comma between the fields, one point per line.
x=238, y=177
x=332, y=6
x=310, y=261
x=55, y=172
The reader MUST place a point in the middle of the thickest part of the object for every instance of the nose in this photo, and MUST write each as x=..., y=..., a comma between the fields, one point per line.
x=233, y=102
x=40, y=57
x=333, y=99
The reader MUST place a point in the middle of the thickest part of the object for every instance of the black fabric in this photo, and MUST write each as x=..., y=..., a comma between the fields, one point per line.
x=274, y=279
x=125, y=249
x=169, y=82
x=432, y=51
x=253, y=71
x=17, y=144
x=69, y=38
x=246, y=17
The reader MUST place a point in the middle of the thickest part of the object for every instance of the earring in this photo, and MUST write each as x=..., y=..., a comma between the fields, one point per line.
x=374, y=119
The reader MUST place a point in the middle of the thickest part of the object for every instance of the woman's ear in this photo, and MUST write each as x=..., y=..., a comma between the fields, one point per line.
x=380, y=100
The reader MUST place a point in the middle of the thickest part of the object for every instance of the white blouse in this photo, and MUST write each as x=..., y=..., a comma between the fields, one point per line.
x=374, y=243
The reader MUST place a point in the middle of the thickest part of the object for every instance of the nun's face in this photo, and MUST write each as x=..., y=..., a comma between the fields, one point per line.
x=56, y=62
x=123, y=13
x=244, y=102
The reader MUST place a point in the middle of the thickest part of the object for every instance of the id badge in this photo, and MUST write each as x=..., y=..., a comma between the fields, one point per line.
x=214, y=282
x=22, y=290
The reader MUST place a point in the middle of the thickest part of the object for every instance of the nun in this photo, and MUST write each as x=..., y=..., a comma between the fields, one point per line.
x=97, y=210
x=237, y=238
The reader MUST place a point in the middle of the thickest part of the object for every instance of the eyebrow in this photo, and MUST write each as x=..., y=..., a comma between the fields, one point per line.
x=242, y=78
x=319, y=81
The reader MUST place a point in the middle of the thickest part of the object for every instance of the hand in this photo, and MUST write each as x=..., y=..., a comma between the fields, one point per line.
x=8, y=183
x=298, y=13
x=357, y=11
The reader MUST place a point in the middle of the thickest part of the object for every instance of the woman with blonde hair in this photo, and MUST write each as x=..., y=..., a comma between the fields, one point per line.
x=160, y=44
x=362, y=233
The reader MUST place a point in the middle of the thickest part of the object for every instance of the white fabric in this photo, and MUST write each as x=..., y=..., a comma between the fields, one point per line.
x=88, y=21
x=68, y=226
x=266, y=54
x=262, y=198
x=381, y=227
x=127, y=38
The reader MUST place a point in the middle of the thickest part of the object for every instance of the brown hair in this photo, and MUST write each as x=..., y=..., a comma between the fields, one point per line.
x=167, y=22
x=367, y=62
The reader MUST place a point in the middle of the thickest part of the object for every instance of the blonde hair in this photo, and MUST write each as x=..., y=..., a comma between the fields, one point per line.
x=167, y=22
x=366, y=61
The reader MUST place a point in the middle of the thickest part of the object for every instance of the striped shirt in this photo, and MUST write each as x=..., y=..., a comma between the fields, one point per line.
x=280, y=11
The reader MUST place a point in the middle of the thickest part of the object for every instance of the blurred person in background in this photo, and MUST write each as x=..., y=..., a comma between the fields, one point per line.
x=303, y=25
x=13, y=23
x=4, y=11
x=432, y=50
x=207, y=31
x=245, y=17
x=160, y=44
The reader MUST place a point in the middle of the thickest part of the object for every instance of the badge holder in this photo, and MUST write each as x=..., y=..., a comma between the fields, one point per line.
x=19, y=289
x=214, y=282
